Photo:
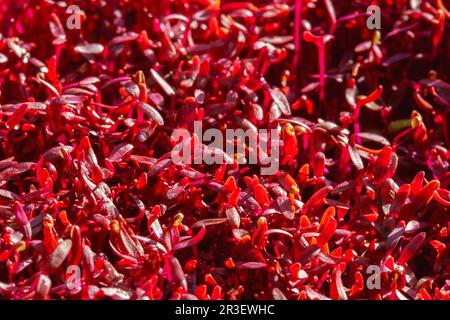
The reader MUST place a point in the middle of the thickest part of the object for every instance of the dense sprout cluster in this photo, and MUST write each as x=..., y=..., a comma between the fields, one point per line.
x=92, y=206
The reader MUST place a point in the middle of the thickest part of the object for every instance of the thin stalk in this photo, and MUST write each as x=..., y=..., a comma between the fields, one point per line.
x=297, y=34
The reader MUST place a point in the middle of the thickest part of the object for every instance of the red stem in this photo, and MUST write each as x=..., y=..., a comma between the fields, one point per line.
x=297, y=34
x=322, y=69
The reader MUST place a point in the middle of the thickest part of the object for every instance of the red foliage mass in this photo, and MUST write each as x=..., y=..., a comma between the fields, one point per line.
x=87, y=182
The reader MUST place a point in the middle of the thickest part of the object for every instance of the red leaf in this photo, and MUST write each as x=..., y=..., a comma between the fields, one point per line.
x=175, y=272
x=59, y=255
x=412, y=247
x=251, y=265
x=278, y=231
x=337, y=290
x=120, y=152
x=151, y=112
x=280, y=100
x=208, y=222
x=15, y=170
x=394, y=238
x=162, y=83
x=309, y=253
x=400, y=198
x=317, y=197
x=233, y=216
x=327, y=232
x=425, y=195
x=313, y=295
x=90, y=48
x=278, y=294
x=192, y=241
